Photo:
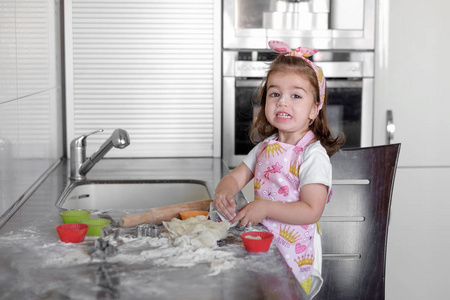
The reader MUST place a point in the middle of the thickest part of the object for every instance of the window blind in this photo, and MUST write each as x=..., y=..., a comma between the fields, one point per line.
x=149, y=67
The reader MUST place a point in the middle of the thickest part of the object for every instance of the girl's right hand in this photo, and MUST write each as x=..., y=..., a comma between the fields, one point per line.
x=225, y=204
x=228, y=187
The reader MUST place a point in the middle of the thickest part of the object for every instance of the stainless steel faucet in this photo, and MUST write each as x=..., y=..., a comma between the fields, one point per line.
x=79, y=165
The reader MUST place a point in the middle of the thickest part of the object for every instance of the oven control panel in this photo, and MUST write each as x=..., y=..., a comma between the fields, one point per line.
x=335, y=64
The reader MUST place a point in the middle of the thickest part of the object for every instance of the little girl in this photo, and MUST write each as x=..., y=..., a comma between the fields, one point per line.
x=291, y=166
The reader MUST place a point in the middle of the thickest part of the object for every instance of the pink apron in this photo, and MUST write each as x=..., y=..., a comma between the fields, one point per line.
x=277, y=179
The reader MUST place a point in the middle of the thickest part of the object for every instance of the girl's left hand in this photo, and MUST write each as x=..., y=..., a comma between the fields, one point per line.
x=252, y=214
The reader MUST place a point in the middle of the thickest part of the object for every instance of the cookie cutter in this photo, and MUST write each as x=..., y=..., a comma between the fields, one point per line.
x=147, y=230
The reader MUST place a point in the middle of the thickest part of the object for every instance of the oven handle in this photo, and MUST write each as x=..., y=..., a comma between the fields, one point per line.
x=332, y=83
x=248, y=82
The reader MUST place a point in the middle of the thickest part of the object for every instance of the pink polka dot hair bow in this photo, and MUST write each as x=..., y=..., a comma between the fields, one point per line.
x=303, y=53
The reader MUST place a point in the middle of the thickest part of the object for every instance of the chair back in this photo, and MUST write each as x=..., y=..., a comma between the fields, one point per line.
x=355, y=223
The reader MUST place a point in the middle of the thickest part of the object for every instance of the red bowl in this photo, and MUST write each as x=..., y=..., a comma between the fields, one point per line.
x=72, y=233
x=261, y=244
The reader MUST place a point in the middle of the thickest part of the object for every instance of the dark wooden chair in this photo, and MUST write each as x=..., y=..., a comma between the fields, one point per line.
x=355, y=223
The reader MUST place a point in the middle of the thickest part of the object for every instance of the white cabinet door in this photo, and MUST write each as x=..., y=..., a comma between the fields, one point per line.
x=417, y=261
x=412, y=79
x=151, y=67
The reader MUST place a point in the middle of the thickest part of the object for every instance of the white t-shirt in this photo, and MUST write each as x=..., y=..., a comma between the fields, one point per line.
x=316, y=166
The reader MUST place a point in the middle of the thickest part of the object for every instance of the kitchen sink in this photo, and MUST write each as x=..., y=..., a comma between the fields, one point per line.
x=131, y=194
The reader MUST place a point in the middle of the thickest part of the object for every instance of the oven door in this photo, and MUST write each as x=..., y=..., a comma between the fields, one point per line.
x=349, y=110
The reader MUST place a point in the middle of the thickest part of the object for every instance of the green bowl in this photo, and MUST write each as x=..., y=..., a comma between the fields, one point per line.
x=95, y=225
x=72, y=216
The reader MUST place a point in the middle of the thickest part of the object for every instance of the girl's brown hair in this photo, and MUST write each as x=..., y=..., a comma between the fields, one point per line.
x=262, y=129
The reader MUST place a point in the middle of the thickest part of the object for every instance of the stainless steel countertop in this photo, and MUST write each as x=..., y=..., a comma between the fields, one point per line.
x=34, y=264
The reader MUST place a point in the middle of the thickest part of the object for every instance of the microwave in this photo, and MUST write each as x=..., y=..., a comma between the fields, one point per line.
x=320, y=24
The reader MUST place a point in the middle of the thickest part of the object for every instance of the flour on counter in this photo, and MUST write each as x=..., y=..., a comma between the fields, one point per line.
x=43, y=253
x=188, y=243
x=161, y=252
x=60, y=254
x=50, y=252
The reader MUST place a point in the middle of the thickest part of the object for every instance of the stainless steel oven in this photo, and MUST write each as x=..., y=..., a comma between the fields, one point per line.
x=320, y=24
x=350, y=96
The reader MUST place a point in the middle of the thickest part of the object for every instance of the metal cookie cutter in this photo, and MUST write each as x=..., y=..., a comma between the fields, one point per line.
x=147, y=230
x=101, y=249
x=111, y=232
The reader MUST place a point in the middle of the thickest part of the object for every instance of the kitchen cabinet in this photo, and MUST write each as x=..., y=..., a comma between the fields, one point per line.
x=411, y=76
x=150, y=67
x=411, y=79
x=417, y=254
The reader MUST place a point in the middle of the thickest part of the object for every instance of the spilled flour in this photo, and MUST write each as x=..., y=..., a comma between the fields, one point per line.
x=52, y=253
x=161, y=252
x=42, y=252
x=187, y=243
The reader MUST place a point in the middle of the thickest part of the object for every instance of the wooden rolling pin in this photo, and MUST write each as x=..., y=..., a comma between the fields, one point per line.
x=157, y=215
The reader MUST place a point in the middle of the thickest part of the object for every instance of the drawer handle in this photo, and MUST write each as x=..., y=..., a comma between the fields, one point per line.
x=390, y=127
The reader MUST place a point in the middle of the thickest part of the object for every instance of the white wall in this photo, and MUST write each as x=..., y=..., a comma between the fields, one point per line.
x=30, y=94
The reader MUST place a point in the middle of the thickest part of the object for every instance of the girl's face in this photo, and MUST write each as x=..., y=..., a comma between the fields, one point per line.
x=290, y=105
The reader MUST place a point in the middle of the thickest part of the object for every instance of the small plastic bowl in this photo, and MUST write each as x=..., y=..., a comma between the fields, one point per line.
x=72, y=216
x=95, y=225
x=260, y=244
x=72, y=233
x=192, y=213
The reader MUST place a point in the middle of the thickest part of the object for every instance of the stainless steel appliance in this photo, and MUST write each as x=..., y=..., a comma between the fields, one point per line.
x=350, y=87
x=321, y=24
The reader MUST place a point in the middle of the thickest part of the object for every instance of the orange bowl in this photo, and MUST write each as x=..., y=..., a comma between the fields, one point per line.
x=193, y=213
x=72, y=232
x=257, y=241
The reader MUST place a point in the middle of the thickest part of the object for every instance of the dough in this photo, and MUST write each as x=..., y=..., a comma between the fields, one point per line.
x=196, y=232
x=253, y=237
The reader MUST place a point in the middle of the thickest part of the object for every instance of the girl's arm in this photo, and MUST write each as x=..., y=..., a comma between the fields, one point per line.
x=228, y=187
x=307, y=211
